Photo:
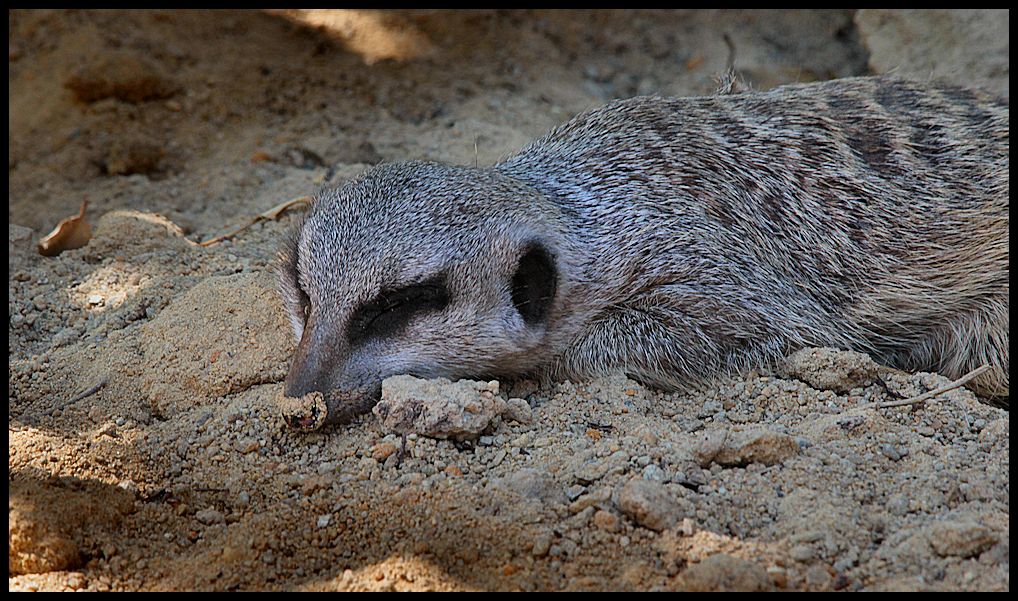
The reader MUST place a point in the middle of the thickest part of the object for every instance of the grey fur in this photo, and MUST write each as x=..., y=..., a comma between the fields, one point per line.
x=691, y=237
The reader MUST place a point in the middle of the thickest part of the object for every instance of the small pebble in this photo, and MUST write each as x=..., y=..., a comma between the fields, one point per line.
x=542, y=544
x=890, y=452
x=210, y=516
x=802, y=553
x=381, y=451
x=655, y=473
x=575, y=491
x=649, y=504
x=606, y=520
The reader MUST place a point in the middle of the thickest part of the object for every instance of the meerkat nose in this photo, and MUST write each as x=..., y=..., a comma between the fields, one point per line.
x=308, y=412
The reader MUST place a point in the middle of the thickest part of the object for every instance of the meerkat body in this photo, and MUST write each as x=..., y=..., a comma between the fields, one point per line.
x=674, y=239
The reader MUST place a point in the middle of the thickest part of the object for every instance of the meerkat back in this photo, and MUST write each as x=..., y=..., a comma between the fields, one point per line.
x=866, y=213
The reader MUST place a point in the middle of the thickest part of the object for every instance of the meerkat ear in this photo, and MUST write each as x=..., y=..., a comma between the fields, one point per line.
x=534, y=283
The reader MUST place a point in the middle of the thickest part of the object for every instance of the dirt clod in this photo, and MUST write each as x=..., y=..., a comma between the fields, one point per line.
x=831, y=369
x=121, y=76
x=741, y=447
x=438, y=408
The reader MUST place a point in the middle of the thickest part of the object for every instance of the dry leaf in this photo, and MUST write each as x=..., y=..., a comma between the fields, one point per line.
x=73, y=232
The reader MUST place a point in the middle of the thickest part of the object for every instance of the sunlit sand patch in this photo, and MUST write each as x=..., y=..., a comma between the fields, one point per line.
x=107, y=287
x=371, y=34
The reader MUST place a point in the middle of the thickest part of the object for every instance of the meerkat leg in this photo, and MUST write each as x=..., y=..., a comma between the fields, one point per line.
x=995, y=383
x=965, y=343
x=977, y=339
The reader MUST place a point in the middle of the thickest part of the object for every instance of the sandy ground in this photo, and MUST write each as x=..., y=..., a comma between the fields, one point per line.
x=176, y=472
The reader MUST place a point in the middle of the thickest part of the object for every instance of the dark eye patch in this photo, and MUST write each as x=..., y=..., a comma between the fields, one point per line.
x=390, y=311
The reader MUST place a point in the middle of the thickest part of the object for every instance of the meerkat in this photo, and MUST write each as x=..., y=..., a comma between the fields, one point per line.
x=674, y=239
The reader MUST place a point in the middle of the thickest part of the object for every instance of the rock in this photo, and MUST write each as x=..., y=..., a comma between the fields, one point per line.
x=598, y=497
x=606, y=520
x=967, y=47
x=802, y=553
x=891, y=452
x=438, y=408
x=723, y=572
x=897, y=504
x=64, y=337
x=210, y=516
x=649, y=504
x=653, y=472
x=381, y=451
x=740, y=448
x=574, y=491
x=518, y=410
x=960, y=538
x=542, y=544
x=591, y=472
x=830, y=369
x=779, y=576
x=247, y=445
x=532, y=484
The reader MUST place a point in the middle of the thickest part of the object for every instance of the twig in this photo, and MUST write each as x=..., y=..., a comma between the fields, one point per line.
x=229, y=234
x=272, y=213
x=89, y=392
x=927, y=395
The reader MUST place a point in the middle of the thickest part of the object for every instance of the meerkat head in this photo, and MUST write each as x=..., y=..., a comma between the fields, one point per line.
x=422, y=269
